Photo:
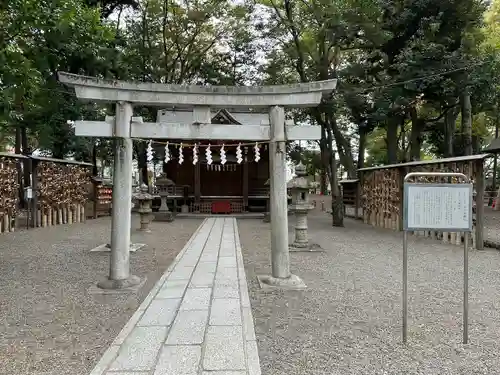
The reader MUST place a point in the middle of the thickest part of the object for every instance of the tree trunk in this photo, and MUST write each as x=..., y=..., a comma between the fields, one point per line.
x=323, y=182
x=362, y=148
x=27, y=152
x=344, y=149
x=403, y=140
x=495, y=160
x=337, y=210
x=449, y=131
x=17, y=150
x=466, y=108
x=392, y=140
x=95, y=172
x=323, y=179
x=142, y=163
x=417, y=125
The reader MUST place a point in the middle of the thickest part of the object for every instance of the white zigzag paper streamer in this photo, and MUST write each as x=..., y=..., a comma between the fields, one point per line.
x=149, y=152
x=239, y=155
x=167, y=153
x=181, y=156
x=208, y=155
x=223, y=159
x=149, y=156
x=195, y=154
x=257, y=151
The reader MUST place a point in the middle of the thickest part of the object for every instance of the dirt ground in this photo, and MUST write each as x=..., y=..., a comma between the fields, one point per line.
x=51, y=324
x=348, y=320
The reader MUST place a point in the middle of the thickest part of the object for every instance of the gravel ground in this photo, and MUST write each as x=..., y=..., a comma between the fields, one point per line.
x=50, y=323
x=348, y=321
x=492, y=226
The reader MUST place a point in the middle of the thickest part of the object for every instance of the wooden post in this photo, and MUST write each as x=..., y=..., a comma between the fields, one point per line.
x=95, y=195
x=38, y=216
x=480, y=205
x=44, y=217
x=34, y=181
x=49, y=216
x=59, y=215
x=245, y=182
x=6, y=222
x=82, y=213
x=12, y=222
x=356, y=200
x=197, y=184
x=77, y=213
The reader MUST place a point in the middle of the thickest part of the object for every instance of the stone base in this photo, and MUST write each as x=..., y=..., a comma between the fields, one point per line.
x=267, y=217
x=131, y=285
x=292, y=283
x=307, y=248
x=106, y=248
x=144, y=230
x=167, y=216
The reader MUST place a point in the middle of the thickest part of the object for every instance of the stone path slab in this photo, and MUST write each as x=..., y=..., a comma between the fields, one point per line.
x=197, y=319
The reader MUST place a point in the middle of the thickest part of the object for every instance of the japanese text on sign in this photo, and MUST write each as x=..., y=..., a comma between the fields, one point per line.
x=446, y=207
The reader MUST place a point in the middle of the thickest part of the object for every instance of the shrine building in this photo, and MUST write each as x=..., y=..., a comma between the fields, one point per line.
x=216, y=187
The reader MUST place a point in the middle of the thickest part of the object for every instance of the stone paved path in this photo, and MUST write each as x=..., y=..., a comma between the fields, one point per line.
x=197, y=319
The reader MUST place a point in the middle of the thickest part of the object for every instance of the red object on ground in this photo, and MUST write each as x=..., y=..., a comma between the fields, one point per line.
x=493, y=204
x=221, y=207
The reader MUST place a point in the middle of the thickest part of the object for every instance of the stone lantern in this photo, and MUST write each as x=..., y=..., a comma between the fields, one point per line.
x=145, y=201
x=163, y=184
x=299, y=187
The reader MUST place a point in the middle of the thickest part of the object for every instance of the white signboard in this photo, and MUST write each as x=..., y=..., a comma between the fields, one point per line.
x=446, y=207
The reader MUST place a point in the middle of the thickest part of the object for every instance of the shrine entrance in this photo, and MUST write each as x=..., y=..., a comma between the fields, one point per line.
x=227, y=186
x=123, y=127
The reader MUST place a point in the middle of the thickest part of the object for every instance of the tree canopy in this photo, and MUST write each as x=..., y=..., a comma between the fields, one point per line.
x=416, y=78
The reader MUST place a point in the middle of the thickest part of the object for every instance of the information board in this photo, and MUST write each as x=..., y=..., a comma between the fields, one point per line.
x=445, y=207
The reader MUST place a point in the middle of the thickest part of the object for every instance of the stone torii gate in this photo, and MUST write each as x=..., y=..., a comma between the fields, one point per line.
x=124, y=127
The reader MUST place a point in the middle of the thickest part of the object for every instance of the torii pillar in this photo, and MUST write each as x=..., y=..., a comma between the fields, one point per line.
x=123, y=127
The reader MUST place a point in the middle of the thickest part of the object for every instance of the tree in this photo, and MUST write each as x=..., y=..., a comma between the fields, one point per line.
x=190, y=42
x=314, y=38
x=107, y=7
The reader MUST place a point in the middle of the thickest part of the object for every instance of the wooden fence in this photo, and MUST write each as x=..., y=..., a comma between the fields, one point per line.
x=9, y=190
x=382, y=193
x=60, y=190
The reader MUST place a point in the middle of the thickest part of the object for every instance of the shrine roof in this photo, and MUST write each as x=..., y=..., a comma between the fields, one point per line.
x=493, y=147
x=11, y=155
x=61, y=161
x=457, y=159
x=41, y=158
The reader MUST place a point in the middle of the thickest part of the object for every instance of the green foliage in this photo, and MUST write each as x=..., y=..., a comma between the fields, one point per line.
x=403, y=61
x=188, y=42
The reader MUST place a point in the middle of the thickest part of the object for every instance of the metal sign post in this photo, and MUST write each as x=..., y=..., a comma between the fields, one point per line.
x=437, y=206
